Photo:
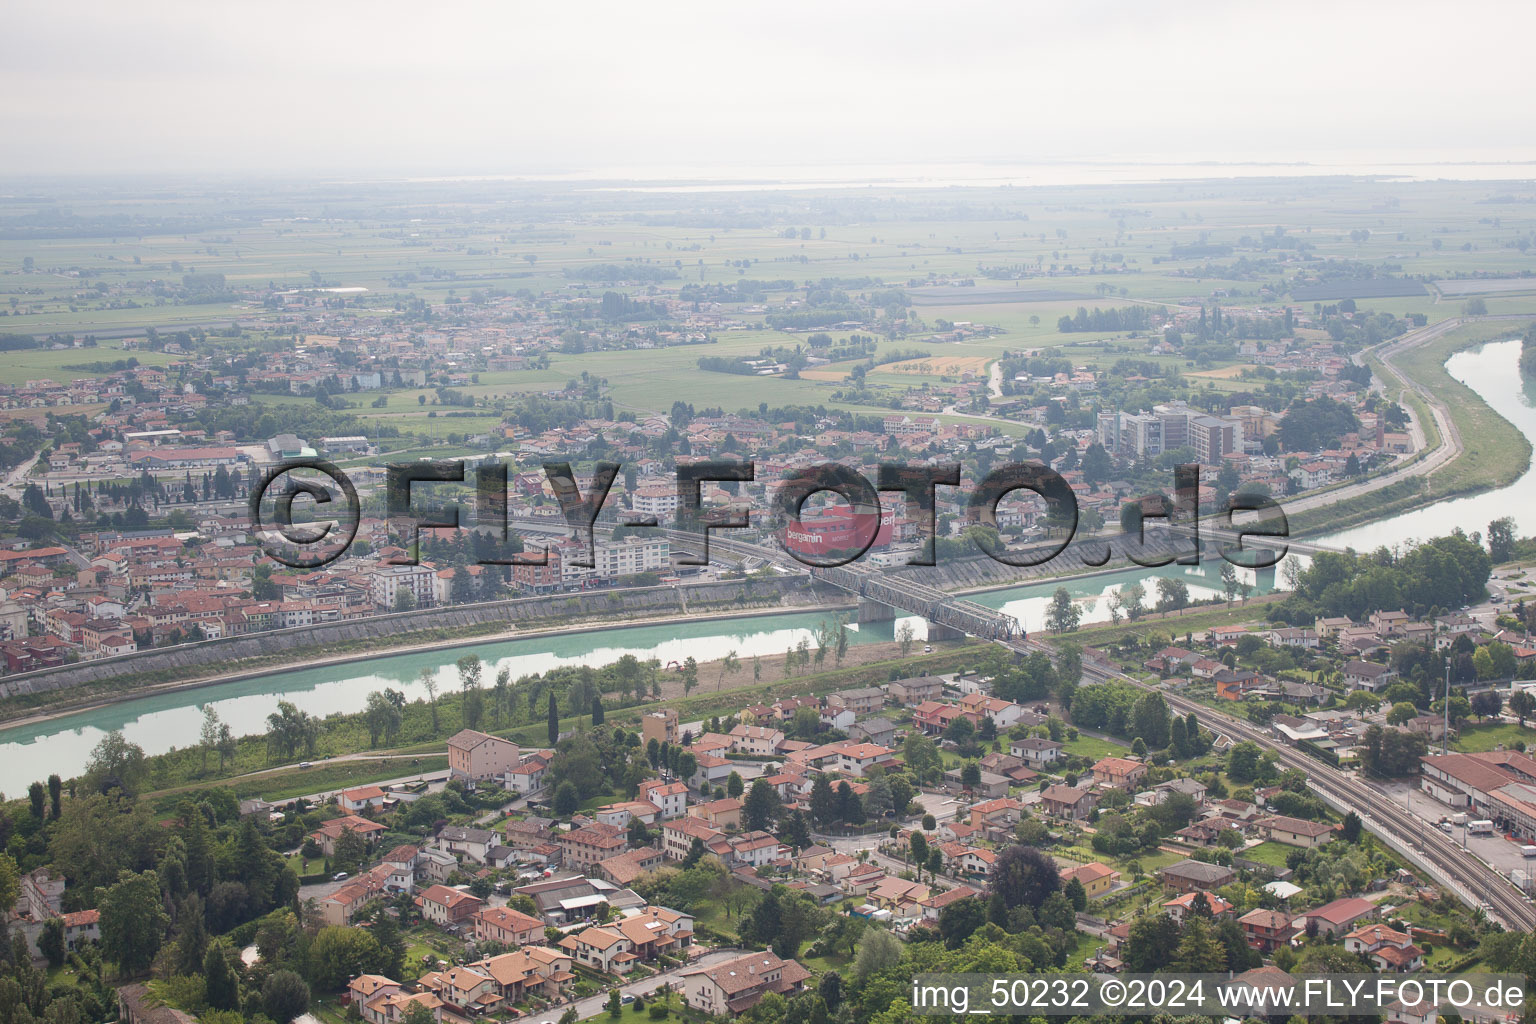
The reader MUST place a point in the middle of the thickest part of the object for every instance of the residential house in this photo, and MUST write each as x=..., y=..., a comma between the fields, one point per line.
x=1336, y=918
x=478, y=755
x=1195, y=875
x=913, y=691
x=677, y=836
x=591, y=844
x=361, y=798
x=1097, y=879
x=863, y=701
x=735, y=986
x=671, y=798
x=602, y=949
x=934, y=905
x=446, y=907
x=722, y=814
x=81, y=926
x=1386, y=948
x=756, y=740
x=328, y=832
x=1067, y=802
x=469, y=843
x=1367, y=675
x=1118, y=773
x=341, y=905
x=1267, y=930
x=506, y=926
x=1295, y=831
x=1036, y=752
x=532, y=970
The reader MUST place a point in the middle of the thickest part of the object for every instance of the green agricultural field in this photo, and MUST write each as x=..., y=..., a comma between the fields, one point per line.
x=23, y=365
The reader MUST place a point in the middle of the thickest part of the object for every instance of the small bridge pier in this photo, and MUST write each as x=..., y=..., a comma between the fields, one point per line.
x=938, y=631
x=875, y=611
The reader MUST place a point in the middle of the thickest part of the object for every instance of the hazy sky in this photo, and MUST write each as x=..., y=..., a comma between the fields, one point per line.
x=380, y=88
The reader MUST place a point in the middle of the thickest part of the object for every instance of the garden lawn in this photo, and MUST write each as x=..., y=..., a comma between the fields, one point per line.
x=1094, y=747
x=1477, y=738
x=1273, y=854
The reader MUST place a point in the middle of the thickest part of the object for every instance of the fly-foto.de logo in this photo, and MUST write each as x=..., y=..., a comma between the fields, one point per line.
x=865, y=512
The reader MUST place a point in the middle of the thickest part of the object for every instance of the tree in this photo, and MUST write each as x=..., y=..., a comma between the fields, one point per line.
x=50, y=942
x=1523, y=704
x=567, y=799
x=1077, y=894
x=729, y=663
x=1228, y=581
x=222, y=985
x=1400, y=713
x=879, y=950
x=380, y=716
x=472, y=704
x=734, y=787
x=350, y=853
x=1199, y=951
x=114, y=761
x=823, y=801
x=1501, y=540
x=1131, y=598
x=133, y=921
x=762, y=808
x=339, y=953
x=1024, y=876
x=1151, y=944
x=38, y=797
x=1351, y=828
x=919, y=847
x=554, y=720
x=208, y=738
x=614, y=1006
x=690, y=675
x=284, y=996
x=904, y=638
x=597, y=709
x=418, y=1013
x=1062, y=616
x=960, y=919
x=1172, y=594
x=428, y=679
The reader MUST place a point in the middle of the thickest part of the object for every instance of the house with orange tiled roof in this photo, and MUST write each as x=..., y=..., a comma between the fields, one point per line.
x=444, y=906
x=602, y=949
x=1387, y=948
x=81, y=926
x=1182, y=905
x=506, y=926
x=934, y=905
x=1118, y=772
x=738, y=985
x=537, y=970
x=328, y=832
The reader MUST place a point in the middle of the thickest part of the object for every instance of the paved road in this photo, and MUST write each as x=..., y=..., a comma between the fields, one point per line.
x=593, y=1005
x=15, y=480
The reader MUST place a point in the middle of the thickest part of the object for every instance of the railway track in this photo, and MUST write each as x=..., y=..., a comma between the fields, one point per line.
x=1476, y=883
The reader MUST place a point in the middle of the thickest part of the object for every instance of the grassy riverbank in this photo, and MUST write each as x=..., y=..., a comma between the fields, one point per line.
x=419, y=745
x=1494, y=452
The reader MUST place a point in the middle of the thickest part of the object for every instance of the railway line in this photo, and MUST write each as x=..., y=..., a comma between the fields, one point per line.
x=1474, y=882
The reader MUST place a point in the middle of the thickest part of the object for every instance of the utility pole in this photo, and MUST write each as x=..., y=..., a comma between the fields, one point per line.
x=1445, y=737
